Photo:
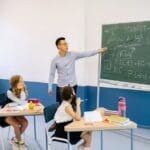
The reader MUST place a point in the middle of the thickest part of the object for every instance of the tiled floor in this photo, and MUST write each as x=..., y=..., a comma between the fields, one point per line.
x=112, y=140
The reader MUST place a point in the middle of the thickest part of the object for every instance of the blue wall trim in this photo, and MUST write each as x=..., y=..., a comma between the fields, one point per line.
x=138, y=102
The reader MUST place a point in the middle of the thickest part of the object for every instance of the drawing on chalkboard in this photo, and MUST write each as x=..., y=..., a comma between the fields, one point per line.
x=128, y=58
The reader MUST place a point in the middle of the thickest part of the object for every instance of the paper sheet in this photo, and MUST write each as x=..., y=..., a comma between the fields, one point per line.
x=92, y=116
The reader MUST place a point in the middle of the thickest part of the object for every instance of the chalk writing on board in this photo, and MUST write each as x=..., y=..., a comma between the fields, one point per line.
x=128, y=58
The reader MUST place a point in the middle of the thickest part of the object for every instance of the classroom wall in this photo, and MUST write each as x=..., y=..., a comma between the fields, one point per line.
x=28, y=29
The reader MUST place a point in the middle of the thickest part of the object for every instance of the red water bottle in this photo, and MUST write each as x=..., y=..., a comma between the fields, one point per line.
x=122, y=106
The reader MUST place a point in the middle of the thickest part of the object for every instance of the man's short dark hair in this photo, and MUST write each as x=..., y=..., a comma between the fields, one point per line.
x=58, y=40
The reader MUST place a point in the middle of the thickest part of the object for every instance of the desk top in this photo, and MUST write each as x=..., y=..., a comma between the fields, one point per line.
x=21, y=110
x=96, y=126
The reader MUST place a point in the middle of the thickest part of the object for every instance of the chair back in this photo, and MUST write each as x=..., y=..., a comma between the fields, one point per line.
x=2, y=99
x=50, y=111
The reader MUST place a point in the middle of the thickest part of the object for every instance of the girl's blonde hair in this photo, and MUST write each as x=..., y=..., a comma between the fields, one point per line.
x=14, y=80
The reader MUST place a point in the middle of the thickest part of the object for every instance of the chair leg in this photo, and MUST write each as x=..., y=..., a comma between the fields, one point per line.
x=67, y=143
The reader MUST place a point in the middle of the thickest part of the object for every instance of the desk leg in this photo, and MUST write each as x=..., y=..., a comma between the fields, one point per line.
x=46, y=140
x=68, y=137
x=35, y=135
x=101, y=140
x=131, y=139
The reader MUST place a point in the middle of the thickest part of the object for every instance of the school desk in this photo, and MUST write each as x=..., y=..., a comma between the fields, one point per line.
x=23, y=110
x=78, y=126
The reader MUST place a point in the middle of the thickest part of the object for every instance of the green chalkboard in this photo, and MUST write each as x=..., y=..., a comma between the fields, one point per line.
x=128, y=55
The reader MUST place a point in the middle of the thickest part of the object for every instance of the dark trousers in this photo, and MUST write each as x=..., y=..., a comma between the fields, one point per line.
x=58, y=93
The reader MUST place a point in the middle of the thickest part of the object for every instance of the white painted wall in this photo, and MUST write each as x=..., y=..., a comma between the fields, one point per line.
x=28, y=30
x=100, y=12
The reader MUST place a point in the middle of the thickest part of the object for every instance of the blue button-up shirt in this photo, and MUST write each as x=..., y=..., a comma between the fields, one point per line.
x=65, y=66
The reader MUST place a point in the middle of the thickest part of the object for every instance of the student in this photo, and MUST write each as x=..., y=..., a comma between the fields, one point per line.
x=17, y=94
x=65, y=114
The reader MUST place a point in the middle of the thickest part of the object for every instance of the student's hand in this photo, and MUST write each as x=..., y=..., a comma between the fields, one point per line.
x=78, y=101
x=102, y=50
x=50, y=92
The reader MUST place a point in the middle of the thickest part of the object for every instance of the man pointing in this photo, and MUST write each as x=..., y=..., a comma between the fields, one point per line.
x=64, y=64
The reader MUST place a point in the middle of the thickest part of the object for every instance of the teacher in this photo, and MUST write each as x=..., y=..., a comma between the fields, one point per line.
x=64, y=63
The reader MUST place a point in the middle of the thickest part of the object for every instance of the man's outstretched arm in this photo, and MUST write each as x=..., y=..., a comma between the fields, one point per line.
x=89, y=53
